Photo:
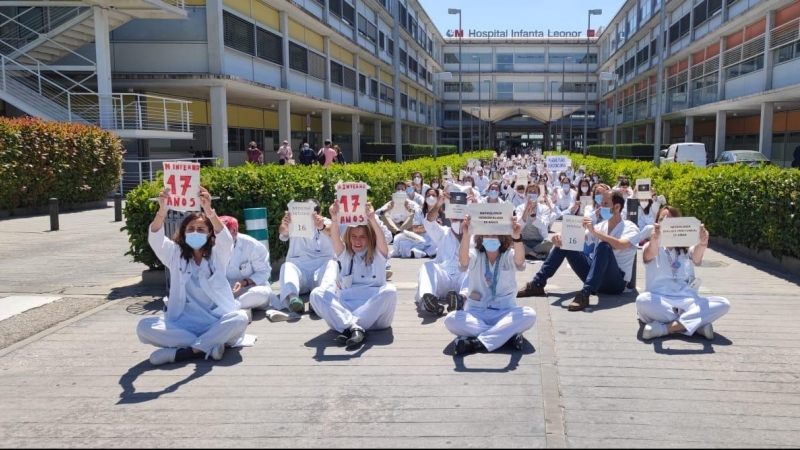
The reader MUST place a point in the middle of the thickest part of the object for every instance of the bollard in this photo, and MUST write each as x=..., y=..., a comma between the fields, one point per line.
x=255, y=220
x=53, y=214
x=117, y=207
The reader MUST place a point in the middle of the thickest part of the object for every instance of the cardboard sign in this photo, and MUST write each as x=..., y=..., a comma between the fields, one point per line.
x=490, y=218
x=644, y=189
x=582, y=169
x=399, y=210
x=558, y=163
x=351, y=197
x=183, y=181
x=302, y=224
x=457, y=208
x=472, y=163
x=522, y=178
x=572, y=233
x=679, y=232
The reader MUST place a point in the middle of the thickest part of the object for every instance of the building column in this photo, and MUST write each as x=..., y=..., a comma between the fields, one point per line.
x=219, y=123
x=397, y=125
x=721, y=74
x=719, y=135
x=285, y=121
x=326, y=125
x=355, y=138
x=688, y=130
x=284, y=18
x=377, y=130
x=765, y=129
x=666, y=137
x=216, y=40
x=648, y=133
x=103, y=64
x=357, y=94
x=326, y=46
x=633, y=135
x=769, y=55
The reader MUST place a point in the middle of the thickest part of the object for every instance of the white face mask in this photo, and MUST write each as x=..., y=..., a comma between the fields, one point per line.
x=431, y=200
x=584, y=189
x=417, y=180
x=456, y=226
x=435, y=185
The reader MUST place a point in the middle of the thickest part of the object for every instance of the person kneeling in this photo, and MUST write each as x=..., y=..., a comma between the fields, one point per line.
x=360, y=299
x=202, y=316
x=671, y=303
x=491, y=316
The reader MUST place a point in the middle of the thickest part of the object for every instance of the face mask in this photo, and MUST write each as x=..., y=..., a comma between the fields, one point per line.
x=491, y=244
x=362, y=253
x=196, y=240
x=435, y=185
x=584, y=189
x=431, y=200
x=409, y=190
x=456, y=226
x=494, y=194
x=534, y=197
x=305, y=147
x=595, y=179
x=565, y=187
x=417, y=180
x=605, y=213
x=598, y=198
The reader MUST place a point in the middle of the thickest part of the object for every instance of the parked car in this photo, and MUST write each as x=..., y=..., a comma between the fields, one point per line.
x=750, y=157
x=685, y=152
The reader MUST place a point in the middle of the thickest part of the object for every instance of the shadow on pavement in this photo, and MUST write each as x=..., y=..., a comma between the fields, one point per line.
x=202, y=367
x=513, y=363
x=326, y=340
x=427, y=318
x=706, y=345
x=603, y=301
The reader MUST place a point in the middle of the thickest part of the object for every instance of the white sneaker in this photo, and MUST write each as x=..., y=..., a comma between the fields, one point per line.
x=275, y=315
x=217, y=352
x=654, y=330
x=706, y=331
x=163, y=356
x=415, y=253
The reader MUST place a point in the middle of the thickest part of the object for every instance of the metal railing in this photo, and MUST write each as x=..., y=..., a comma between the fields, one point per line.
x=135, y=172
x=178, y=3
x=31, y=23
x=132, y=111
x=15, y=47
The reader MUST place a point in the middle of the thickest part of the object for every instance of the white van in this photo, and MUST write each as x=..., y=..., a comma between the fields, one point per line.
x=686, y=152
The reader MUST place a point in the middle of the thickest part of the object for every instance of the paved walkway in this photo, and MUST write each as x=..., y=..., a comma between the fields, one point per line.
x=583, y=379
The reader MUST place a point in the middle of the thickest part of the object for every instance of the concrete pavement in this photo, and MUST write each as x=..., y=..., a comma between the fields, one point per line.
x=583, y=379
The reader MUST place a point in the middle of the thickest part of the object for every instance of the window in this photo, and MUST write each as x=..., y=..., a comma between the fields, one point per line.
x=505, y=62
x=372, y=32
x=270, y=46
x=373, y=85
x=412, y=65
x=349, y=78
x=348, y=13
x=528, y=86
x=451, y=58
x=505, y=90
x=390, y=47
x=298, y=58
x=404, y=101
x=787, y=52
x=706, y=10
x=337, y=75
x=529, y=58
x=381, y=40
x=367, y=29
x=453, y=87
x=316, y=65
x=403, y=57
x=362, y=83
x=412, y=105
x=387, y=94
x=403, y=16
x=336, y=8
x=743, y=68
x=679, y=28
x=238, y=34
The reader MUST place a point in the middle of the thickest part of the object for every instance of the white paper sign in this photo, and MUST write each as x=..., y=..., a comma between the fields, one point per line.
x=586, y=201
x=351, y=196
x=302, y=222
x=644, y=189
x=490, y=218
x=572, y=233
x=400, y=210
x=522, y=178
x=183, y=181
x=457, y=207
x=472, y=163
x=679, y=232
x=557, y=163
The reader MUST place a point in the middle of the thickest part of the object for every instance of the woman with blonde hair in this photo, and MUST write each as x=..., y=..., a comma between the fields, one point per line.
x=361, y=299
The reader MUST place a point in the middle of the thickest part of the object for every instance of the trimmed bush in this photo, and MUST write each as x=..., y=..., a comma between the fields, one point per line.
x=374, y=151
x=39, y=160
x=756, y=207
x=273, y=186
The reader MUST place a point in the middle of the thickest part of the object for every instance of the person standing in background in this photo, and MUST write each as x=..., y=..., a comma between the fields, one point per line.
x=254, y=155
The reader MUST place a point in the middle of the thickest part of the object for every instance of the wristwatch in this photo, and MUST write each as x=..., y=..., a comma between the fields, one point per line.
x=516, y=240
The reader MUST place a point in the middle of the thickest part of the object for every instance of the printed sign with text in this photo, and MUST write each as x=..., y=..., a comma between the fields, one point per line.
x=458, y=205
x=302, y=224
x=572, y=233
x=490, y=218
x=522, y=178
x=399, y=209
x=557, y=163
x=643, y=189
x=351, y=197
x=183, y=181
x=679, y=232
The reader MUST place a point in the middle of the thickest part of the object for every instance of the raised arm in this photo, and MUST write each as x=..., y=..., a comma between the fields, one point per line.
x=336, y=239
x=651, y=248
x=380, y=239
x=463, y=249
x=699, y=249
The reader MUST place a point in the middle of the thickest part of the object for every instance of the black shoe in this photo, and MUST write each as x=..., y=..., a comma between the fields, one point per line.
x=517, y=341
x=454, y=301
x=343, y=338
x=432, y=305
x=466, y=345
x=356, y=337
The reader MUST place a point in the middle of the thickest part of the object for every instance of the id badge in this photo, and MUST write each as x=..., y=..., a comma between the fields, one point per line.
x=347, y=282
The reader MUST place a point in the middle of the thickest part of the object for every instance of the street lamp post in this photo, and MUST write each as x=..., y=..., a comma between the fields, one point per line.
x=612, y=76
x=471, y=130
x=480, y=135
x=592, y=12
x=460, y=104
x=659, y=85
x=436, y=78
x=563, y=79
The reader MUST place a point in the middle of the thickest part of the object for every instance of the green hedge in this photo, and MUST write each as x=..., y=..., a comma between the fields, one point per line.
x=375, y=151
x=273, y=186
x=755, y=207
x=39, y=160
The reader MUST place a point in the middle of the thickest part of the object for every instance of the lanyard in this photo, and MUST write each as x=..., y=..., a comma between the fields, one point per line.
x=492, y=277
x=673, y=265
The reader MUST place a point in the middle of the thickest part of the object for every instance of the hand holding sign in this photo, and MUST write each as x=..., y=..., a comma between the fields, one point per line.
x=351, y=198
x=644, y=189
x=183, y=182
x=302, y=221
x=572, y=233
x=491, y=218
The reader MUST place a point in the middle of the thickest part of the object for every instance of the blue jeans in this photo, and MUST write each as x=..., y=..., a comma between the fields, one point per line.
x=599, y=274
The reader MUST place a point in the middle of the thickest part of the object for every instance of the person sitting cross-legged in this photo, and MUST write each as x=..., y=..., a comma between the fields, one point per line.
x=607, y=269
x=249, y=269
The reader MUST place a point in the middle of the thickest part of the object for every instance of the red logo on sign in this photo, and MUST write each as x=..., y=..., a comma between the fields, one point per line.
x=459, y=33
x=590, y=33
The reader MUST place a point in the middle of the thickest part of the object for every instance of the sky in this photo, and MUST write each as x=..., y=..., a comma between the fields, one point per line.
x=562, y=15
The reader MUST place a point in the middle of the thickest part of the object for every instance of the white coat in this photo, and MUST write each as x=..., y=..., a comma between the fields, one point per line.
x=250, y=259
x=441, y=275
x=309, y=263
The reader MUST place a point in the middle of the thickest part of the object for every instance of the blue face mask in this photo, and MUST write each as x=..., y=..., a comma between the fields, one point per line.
x=409, y=190
x=196, y=240
x=533, y=197
x=595, y=178
x=565, y=187
x=598, y=198
x=494, y=194
x=491, y=244
x=605, y=213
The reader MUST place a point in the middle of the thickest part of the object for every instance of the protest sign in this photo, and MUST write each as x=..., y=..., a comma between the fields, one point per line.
x=183, y=181
x=557, y=163
x=457, y=207
x=490, y=218
x=679, y=232
x=351, y=197
x=572, y=233
x=399, y=209
x=302, y=224
x=644, y=189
